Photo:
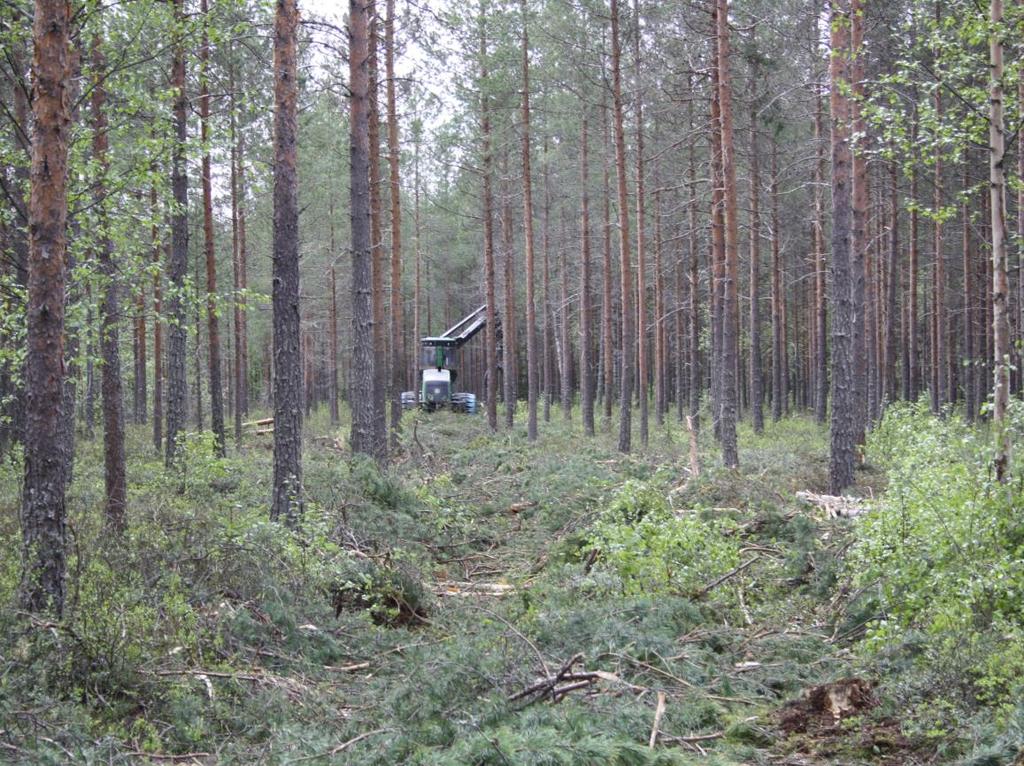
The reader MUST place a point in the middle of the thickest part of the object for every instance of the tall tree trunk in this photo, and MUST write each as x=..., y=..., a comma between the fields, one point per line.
x=139, y=353
x=717, y=254
x=913, y=355
x=111, y=386
x=547, y=371
x=586, y=311
x=43, y=511
x=696, y=379
x=778, y=298
x=491, y=330
x=509, y=347
x=243, y=273
x=212, y=322
x=820, y=311
x=970, y=371
x=158, y=335
x=237, y=271
x=659, y=318
x=531, y=313
x=889, y=389
x=937, y=388
x=197, y=357
x=1000, y=281
x=287, y=503
x=565, y=338
x=859, y=242
x=380, y=334
x=730, y=306
x=417, y=299
x=756, y=381
x=361, y=395
x=870, y=327
x=607, y=310
x=1020, y=221
x=641, y=244
x=333, y=351
x=844, y=393
x=13, y=393
x=628, y=332
x=177, y=385
x=397, y=321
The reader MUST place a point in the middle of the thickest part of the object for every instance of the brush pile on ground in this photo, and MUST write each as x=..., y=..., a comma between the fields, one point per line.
x=482, y=602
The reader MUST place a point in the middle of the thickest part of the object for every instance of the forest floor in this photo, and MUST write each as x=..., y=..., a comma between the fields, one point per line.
x=484, y=601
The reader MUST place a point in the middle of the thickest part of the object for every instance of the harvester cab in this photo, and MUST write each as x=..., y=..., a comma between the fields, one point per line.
x=439, y=360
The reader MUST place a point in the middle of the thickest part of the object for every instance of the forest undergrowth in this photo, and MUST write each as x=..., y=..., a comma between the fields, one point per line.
x=485, y=601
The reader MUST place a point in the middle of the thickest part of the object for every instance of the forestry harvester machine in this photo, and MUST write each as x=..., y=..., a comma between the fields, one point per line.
x=439, y=359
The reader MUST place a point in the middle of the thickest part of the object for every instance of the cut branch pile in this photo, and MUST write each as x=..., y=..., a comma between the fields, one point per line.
x=834, y=506
x=557, y=686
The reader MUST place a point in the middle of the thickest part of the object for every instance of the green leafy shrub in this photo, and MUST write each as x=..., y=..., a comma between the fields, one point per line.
x=390, y=591
x=942, y=551
x=653, y=548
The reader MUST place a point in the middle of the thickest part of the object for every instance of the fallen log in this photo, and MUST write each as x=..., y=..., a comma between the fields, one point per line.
x=262, y=422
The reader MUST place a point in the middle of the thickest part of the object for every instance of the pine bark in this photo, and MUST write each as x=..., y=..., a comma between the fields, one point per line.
x=139, y=357
x=362, y=367
x=491, y=330
x=970, y=372
x=238, y=278
x=820, y=310
x=730, y=305
x=586, y=310
x=912, y=387
x=111, y=387
x=286, y=503
x=12, y=392
x=158, y=335
x=332, y=331
x=696, y=379
x=889, y=390
x=844, y=393
x=641, y=243
x=659, y=318
x=531, y=313
x=509, y=346
x=417, y=298
x=380, y=334
x=607, y=309
x=547, y=384
x=565, y=336
x=717, y=243
x=177, y=266
x=756, y=380
x=626, y=267
x=937, y=389
x=779, y=393
x=212, y=321
x=397, y=321
x=43, y=511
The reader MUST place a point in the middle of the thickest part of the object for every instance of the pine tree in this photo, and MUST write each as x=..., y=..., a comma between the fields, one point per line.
x=43, y=511
x=286, y=504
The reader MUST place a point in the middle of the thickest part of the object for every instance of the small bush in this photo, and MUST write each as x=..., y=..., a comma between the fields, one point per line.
x=654, y=549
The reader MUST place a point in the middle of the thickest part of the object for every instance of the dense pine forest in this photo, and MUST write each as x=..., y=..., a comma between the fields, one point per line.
x=512, y=382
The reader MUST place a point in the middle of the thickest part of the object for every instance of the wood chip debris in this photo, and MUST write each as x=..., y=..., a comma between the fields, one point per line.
x=452, y=588
x=834, y=506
